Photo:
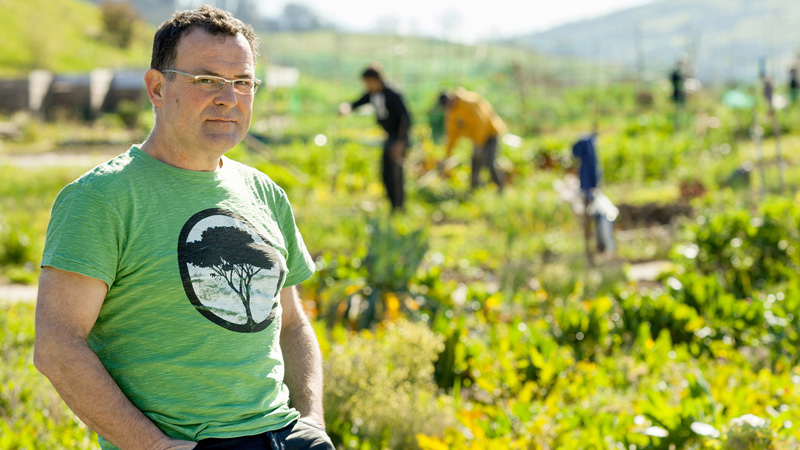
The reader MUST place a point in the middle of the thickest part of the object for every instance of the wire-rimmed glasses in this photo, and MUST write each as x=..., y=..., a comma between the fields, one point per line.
x=211, y=83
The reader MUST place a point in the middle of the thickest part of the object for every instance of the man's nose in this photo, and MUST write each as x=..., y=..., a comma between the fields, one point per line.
x=226, y=96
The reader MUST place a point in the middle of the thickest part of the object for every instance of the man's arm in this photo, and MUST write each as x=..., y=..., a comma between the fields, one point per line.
x=67, y=308
x=452, y=131
x=361, y=101
x=346, y=108
x=302, y=358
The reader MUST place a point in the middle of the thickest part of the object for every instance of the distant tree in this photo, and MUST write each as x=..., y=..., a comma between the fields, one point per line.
x=247, y=11
x=119, y=22
x=231, y=253
x=298, y=17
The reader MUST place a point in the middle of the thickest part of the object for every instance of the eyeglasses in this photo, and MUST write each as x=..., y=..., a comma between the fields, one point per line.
x=210, y=83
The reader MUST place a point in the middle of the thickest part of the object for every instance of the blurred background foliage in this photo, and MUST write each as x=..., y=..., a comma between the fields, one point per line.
x=473, y=320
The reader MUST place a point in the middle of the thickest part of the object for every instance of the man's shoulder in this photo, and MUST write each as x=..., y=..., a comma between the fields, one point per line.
x=391, y=91
x=107, y=176
x=244, y=171
x=102, y=185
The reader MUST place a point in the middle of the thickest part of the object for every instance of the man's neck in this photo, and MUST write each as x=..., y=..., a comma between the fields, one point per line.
x=174, y=155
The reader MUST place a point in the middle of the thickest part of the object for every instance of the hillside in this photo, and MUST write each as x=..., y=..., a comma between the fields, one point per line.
x=66, y=36
x=724, y=38
x=63, y=36
x=331, y=55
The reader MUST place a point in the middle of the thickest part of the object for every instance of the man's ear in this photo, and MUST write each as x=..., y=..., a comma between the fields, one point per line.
x=154, y=83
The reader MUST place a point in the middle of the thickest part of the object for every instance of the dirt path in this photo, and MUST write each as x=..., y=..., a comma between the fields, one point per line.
x=17, y=293
x=648, y=271
x=86, y=159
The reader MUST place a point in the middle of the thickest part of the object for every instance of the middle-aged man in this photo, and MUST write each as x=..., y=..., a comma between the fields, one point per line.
x=167, y=314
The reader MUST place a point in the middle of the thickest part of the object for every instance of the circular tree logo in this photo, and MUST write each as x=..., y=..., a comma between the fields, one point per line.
x=231, y=274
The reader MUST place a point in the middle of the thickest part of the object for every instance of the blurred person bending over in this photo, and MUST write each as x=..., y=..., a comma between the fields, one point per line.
x=393, y=116
x=468, y=114
x=167, y=313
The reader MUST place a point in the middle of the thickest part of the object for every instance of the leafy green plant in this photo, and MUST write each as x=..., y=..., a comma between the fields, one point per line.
x=749, y=432
x=745, y=251
x=32, y=415
x=658, y=311
x=379, y=388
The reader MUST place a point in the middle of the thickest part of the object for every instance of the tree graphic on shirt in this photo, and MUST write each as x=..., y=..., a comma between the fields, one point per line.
x=233, y=255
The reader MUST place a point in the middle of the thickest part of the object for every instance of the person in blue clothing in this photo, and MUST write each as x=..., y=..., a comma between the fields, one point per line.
x=589, y=171
x=393, y=116
x=596, y=204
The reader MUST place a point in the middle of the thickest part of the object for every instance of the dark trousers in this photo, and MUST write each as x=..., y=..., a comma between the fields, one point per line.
x=486, y=156
x=299, y=435
x=393, y=174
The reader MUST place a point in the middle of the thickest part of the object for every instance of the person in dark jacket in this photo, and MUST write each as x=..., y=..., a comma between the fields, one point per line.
x=677, y=78
x=393, y=116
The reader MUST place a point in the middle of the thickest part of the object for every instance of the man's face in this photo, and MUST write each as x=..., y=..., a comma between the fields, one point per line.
x=372, y=85
x=201, y=121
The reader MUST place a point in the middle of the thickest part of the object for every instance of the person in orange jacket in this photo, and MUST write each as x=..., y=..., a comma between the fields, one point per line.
x=469, y=115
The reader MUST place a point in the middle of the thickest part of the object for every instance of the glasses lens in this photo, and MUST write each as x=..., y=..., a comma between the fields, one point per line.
x=244, y=86
x=208, y=83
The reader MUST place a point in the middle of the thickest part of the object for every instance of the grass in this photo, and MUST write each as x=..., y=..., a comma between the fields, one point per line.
x=32, y=415
x=61, y=36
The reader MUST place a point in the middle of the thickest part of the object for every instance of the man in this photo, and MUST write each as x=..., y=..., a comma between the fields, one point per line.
x=393, y=116
x=468, y=114
x=768, y=89
x=676, y=78
x=166, y=312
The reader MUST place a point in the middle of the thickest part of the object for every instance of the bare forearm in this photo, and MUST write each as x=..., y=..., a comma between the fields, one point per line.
x=88, y=389
x=303, y=364
x=451, y=143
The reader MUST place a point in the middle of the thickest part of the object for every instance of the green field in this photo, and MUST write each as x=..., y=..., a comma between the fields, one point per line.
x=474, y=320
x=62, y=36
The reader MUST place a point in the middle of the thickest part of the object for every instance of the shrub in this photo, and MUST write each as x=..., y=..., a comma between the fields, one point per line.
x=658, y=311
x=119, y=22
x=749, y=432
x=379, y=388
x=746, y=251
x=31, y=413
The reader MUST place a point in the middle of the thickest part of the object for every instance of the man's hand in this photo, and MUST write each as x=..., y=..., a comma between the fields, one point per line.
x=345, y=109
x=446, y=165
x=166, y=443
x=398, y=152
x=314, y=418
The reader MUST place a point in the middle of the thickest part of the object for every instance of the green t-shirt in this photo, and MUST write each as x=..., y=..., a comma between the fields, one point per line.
x=194, y=261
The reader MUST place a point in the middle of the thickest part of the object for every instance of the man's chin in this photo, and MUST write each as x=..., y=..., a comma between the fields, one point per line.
x=222, y=142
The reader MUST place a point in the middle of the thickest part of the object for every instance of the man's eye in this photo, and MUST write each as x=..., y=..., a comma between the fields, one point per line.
x=244, y=83
x=206, y=81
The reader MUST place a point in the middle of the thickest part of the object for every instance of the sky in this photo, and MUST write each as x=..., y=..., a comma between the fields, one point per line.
x=465, y=20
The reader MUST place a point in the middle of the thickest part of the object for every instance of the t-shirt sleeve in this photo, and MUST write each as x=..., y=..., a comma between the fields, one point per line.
x=299, y=261
x=84, y=234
